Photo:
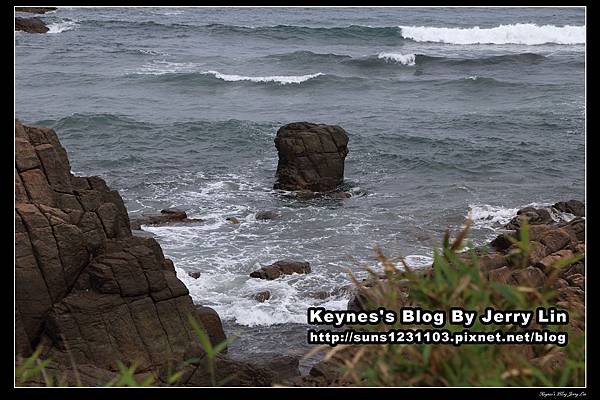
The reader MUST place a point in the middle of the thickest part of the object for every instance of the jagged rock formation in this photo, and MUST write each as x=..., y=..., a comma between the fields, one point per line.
x=311, y=156
x=87, y=291
x=31, y=25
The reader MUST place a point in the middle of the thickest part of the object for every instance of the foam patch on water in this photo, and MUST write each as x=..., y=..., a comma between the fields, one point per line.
x=62, y=26
x=488, y=216
x=404, y=59
x=161, y=67
x=281, y=79
x=524, y=34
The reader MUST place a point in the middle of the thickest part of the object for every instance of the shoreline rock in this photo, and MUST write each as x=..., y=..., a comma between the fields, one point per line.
x=30, y=25
x=311, y=157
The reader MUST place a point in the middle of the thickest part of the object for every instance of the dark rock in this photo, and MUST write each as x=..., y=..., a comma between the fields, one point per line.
x=574, y=207
x=284, y=367
x=502, y=242
x=194, y=274
x=265, y=215
x=168, y=216
x=86, y=290
x=539, y=216
x=311, y=156
x=211, y=322
x=35, y=10
x=279, y=268
x=263, y=296
x=233, y=220
x=30, y=25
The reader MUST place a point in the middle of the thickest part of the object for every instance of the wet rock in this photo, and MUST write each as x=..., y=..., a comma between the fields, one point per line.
x=311, y=156
x=211, y=322
x=502, y=242
x=534, y=216
x=574, y=207
x=280, y=268
x=233, y=220
x=30, y=25
x=266, y=215
x=168, y=216
x=194, y=274
x=263, y=296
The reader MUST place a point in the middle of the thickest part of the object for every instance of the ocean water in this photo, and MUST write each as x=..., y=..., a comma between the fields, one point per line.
x=449, y=111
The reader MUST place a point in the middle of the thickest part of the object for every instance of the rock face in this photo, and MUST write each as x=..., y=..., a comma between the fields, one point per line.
x=280, y=268
x=31, y=25
x=86, y=290
x=311, y=156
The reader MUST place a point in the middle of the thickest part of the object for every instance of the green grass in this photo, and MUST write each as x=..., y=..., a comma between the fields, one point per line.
x=457, y=281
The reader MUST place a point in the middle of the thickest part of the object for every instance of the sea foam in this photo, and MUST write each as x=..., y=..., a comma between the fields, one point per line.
x=62, y=26
x=281, y=79
x=525, y=34
x=404, y=59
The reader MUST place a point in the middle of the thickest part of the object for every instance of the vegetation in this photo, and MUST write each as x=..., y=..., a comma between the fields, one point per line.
x=456, y=281
x=33, y=370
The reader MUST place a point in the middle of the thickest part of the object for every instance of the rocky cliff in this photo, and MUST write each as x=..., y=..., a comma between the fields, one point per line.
x=89, y=292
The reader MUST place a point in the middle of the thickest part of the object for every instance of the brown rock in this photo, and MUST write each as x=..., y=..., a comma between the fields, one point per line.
x=30, y=25
x=311, y=156
x=279, y=268
x=556, y=239
x=263, y=296
x=534, y=216
x=574, y=207
x=168, y=216
x=501, y=275
x=529, y=277
x=266, y=215
x=211, y=322
x=547, y=263
x=489, y=262
x=194, y=274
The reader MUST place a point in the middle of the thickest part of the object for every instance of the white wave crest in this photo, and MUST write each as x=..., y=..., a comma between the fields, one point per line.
x=281, y=79
x=59, y=27
x=165, y=67
x=526, y=34
x=488, y=216
x=404, y=59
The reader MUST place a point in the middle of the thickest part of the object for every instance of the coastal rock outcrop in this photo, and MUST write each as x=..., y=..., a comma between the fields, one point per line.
x=311, y=156
x=167, y=216
x=280, y=268
x=88, y=292
x=30, y=25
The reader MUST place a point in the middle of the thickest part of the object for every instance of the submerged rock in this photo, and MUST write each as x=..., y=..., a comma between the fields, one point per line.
x=311, y=156
x=279, y=268
x=266, y=215
x=194, y=274
x=263, y=296
x=30, y=25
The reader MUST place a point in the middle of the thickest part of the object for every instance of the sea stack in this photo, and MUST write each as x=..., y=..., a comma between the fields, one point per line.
x=311, y=156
